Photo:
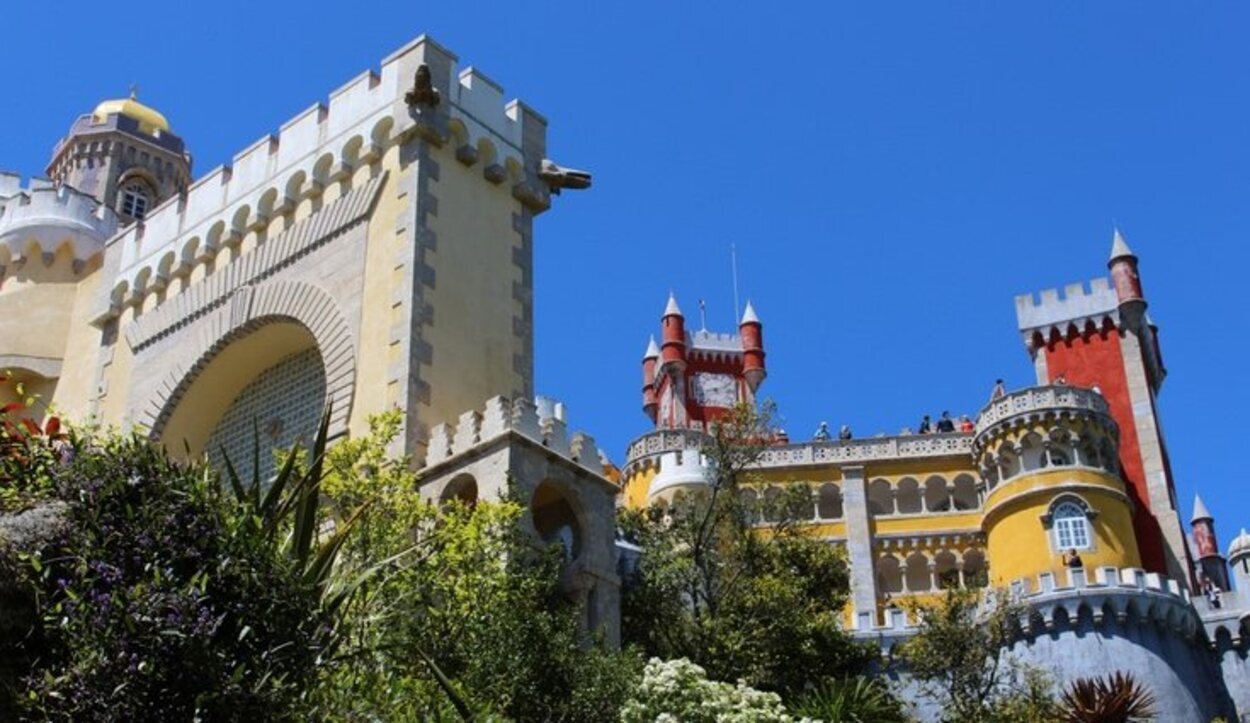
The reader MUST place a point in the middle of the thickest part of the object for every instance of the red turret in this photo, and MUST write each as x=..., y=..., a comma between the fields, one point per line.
x=752, y=333
x=650, y=402
x=673, y=348
x=1123, y=266
x=1210, y=562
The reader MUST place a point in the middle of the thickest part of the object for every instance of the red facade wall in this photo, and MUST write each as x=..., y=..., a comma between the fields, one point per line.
x=1094, y=360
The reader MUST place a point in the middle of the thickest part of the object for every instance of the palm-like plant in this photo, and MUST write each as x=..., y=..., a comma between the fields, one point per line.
x=1117, y=698
x=851, y=700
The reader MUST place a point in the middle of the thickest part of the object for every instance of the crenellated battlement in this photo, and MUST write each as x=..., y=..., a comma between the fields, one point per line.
x=325, y=144
x=1123, y=595
x=1077, y=306
x=46, y=217
x=679, y=470
x=502, y=416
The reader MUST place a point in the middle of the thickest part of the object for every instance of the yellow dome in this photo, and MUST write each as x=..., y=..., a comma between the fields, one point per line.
x=150, y=120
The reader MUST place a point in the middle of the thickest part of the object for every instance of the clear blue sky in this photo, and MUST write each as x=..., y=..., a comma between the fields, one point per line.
x=893, y=174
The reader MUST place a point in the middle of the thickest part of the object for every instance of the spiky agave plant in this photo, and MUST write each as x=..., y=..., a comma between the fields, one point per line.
x=1117, y=698
x=289, y=506
x=850, y=700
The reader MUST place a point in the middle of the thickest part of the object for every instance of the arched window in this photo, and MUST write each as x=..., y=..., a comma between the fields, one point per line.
x=1071, y=526
x=135, y=201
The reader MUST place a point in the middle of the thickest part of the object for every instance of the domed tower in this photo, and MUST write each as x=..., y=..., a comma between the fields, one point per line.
x=1049, y=458
x=125, y=155
x=1239, y=560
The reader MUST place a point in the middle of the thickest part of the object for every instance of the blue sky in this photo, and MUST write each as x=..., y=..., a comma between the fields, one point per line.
x=892, y=174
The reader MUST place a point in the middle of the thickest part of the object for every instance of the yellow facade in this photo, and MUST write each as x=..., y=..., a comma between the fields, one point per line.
x=1022, y=548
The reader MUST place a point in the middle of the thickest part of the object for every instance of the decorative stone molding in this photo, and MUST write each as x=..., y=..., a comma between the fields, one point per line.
x=249, y=309
x=810, y=453
x=255, y=266
x=46, y=367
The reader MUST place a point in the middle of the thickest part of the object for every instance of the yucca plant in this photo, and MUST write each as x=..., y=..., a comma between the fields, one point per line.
x=1117, y=698
x=289, y=507
x=850, y=700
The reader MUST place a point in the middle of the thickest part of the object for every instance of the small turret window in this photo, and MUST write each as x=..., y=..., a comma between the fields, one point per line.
x=135, y=201
x=1071, y=527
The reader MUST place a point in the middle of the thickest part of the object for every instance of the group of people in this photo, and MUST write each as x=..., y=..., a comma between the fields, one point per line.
x=946, y=424
x=824, y=435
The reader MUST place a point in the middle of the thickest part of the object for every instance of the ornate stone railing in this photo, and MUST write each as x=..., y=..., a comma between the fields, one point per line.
x=814, y=453
x=1040, y=399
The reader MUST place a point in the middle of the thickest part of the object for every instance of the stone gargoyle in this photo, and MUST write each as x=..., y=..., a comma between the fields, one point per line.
x=559, y=177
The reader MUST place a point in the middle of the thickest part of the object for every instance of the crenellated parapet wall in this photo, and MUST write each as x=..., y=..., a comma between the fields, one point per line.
x=41, y=218
x=324, y=145
x=1079, y=309
x=502, y=416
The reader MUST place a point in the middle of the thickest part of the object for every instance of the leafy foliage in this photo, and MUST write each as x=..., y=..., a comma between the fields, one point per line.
x=165, y=599
x=679, y=690
x=1117, y=698
x=851, y=700
x=467, y=611
x=959, y=655
x=765, y=606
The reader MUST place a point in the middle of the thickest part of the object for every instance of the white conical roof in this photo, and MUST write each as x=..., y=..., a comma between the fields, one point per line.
x=749, y=316
x=1200, y=510
x=672, y=309
x=1240, y=545
x=653, y=351
x=1119, y=247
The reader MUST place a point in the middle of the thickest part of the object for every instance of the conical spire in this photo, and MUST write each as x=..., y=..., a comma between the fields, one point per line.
x=672, y=309
x=1119, y=247
x=653, y=350
x=749, y=316
x=1200, y=510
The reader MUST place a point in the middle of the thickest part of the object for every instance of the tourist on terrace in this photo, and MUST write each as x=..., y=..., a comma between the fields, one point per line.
x=822, y=433
x=965, y=424
x=925, y=426
x=844, y=433
x=1073, y=561
x=946, y=424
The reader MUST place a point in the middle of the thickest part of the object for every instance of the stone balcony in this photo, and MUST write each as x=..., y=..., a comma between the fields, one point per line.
x=1037, y=402
x=815, y=453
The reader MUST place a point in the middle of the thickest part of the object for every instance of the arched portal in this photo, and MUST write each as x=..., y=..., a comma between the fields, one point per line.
x=269, y=382
x=556, y=520
x=462, y=488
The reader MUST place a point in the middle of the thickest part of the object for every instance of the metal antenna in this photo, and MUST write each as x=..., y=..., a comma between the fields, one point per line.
x=733, y=260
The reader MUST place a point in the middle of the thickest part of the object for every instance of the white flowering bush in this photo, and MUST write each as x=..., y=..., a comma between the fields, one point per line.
x=678, y=691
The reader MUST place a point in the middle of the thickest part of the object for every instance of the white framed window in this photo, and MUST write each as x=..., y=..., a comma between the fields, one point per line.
x=135, y=201
x=1071, y=527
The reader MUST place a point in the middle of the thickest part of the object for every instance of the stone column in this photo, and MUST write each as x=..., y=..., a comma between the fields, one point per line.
x=859, y=540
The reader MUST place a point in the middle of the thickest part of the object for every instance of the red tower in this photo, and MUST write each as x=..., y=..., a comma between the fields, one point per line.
x=1101, y=337
x=693, y=378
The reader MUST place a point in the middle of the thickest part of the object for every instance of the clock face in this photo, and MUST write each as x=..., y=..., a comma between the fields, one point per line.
x=715, y=390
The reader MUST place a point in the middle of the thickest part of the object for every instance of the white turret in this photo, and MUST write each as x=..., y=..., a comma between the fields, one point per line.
x=1239, y=560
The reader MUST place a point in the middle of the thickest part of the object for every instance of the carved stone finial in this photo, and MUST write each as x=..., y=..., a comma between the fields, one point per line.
x=423, y=92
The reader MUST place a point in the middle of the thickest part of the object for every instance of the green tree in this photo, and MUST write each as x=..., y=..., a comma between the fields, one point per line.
x=960, y=657
x=468, y=609
x=764, y=605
